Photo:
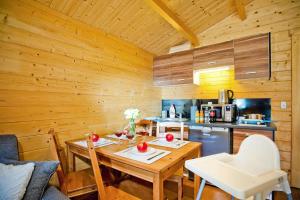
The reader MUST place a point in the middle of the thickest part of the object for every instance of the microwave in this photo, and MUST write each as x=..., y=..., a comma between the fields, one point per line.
x=224, y=112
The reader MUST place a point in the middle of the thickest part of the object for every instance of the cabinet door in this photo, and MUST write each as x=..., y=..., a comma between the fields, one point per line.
x=162, y=70
x=240, y=134
x=252, y=57
x=215, y=55
x=173, y=69
x=182, y=68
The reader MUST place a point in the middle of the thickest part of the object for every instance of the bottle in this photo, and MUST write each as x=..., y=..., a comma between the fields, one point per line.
x=197, y=116
x=172, y=111
x=201, y=116
x=193, y=110
x=163, y=114
x=206, y=115
x=212, y=116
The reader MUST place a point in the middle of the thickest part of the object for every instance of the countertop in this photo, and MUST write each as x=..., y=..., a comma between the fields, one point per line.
x=269, y=127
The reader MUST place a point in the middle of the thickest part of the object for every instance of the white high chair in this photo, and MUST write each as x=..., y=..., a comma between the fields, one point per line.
x=253, y=172
x=162, y=125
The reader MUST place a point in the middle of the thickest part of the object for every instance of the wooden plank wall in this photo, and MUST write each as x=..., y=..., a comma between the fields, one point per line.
x=60, y=73
x=278, y=17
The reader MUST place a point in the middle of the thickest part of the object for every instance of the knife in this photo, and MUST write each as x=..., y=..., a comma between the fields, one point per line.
x=155, y=140
x=156, y=155
x=179, y=143
x=126, y=150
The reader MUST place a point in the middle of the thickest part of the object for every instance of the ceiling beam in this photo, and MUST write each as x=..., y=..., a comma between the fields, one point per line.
x=171, y=18
x=240, y=6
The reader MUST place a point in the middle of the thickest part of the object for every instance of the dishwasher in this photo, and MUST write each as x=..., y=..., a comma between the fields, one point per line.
x=214, y=140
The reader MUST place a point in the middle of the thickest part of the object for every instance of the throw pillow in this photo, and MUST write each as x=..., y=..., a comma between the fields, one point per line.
x=40, y=177
x=14, y=180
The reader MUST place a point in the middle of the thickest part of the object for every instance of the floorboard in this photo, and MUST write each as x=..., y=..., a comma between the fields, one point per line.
x=143, y=190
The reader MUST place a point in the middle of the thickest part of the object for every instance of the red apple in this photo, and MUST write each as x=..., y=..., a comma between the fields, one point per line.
x=95, y=137
x=142, y=147
x=169, y=137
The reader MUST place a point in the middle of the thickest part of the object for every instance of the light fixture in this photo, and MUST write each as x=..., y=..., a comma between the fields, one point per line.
x=196, y=73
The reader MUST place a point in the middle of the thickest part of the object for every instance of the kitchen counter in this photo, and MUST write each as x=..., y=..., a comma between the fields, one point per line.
x=269, y=127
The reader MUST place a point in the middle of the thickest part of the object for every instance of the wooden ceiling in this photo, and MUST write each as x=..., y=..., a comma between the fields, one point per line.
x=136, y=22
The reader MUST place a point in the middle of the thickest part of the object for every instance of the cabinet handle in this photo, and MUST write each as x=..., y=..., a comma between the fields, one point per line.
x=250, y=72
x=212, y=62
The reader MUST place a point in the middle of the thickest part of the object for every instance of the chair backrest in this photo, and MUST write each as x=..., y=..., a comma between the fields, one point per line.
x=9, y=147
x=146, y=124
x=259, y=154
x=96, y=169
x=56, y=153
x=170, y=125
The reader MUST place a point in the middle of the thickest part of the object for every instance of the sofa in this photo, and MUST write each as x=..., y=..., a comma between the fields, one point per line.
x=9, y=155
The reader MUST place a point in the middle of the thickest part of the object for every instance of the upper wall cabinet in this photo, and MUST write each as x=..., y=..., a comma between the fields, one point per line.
x=252, y=57
x=173, y=69
x=214, y=55
x=162, y=70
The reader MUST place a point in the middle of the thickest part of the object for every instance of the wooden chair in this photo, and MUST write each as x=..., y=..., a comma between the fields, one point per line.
x=108, y=192
x=145, y=125
x=178, y=176
x=75, y=183
x=177, y=134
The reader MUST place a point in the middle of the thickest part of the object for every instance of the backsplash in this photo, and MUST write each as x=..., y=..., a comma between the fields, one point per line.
x=254, y=106
x=245, y=106
x=182, y=106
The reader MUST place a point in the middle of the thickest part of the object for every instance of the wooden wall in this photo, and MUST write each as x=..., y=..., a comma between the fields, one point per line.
x=278, y=17
x=56, y=72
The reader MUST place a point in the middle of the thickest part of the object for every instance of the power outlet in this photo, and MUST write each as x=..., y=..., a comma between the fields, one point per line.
x=283, y=105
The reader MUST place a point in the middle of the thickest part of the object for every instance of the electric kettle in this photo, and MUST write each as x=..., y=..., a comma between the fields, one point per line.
x=225, y=96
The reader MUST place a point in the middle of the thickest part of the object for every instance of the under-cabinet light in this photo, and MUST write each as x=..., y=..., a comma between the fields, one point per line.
x=196, y=73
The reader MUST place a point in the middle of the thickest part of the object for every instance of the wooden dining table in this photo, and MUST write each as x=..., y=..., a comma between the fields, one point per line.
x=156, y=172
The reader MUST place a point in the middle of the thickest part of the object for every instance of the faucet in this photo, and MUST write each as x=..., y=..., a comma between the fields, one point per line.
x=179, y=115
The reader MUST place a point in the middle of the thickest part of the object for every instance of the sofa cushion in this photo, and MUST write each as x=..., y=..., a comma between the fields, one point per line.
x=14, y=180
x=9, y=147
x=52, y=193
x=39, y=179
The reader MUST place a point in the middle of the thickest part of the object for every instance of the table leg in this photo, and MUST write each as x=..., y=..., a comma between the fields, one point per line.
x=70, y=160
x=196, y=178
x=201, y=189
x=158, y=188
x=196, y=184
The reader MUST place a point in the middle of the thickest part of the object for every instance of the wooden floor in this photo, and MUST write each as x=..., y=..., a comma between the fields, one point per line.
x=143, y=190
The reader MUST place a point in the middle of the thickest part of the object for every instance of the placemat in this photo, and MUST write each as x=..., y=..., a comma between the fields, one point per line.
x=100, y=143
x=148, y=159
x=123, y=137
x=175, y=144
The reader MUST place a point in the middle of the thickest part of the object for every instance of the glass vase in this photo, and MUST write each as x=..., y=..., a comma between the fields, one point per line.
x=132, y=127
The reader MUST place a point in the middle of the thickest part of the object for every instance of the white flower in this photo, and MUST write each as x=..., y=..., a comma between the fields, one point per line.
x=132, y=113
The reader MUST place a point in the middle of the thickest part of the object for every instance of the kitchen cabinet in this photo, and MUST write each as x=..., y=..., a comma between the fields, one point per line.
x=215, y=55
x=252, y=57
x=162, y=70
x=240, y=134
x=173, y=69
